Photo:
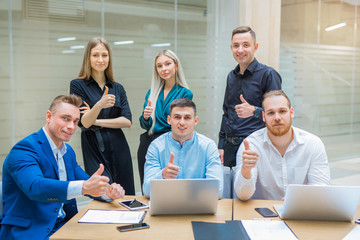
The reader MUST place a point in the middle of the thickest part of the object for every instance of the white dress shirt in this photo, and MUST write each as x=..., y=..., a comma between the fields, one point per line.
x=304, y=162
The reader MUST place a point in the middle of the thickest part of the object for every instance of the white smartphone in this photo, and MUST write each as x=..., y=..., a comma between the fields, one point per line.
x=133, y=204
x=132, y=227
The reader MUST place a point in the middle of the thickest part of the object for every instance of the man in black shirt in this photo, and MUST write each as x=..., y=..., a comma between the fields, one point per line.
x=245, y=87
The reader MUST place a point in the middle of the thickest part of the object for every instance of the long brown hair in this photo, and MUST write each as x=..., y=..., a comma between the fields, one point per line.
x=85, y=71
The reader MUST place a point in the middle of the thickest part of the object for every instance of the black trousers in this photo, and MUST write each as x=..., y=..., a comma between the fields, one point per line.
x=145, y=140
x=230, y=151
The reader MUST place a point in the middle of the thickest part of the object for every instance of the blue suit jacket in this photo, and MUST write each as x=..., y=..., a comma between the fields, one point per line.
x=32, y=191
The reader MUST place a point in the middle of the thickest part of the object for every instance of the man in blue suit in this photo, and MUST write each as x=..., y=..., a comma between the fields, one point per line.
x=41, y=178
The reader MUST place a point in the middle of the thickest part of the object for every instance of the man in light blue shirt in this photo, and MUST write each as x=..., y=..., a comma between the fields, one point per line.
x=182, y=153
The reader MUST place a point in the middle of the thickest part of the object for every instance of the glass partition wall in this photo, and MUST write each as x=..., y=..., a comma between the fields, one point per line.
x=49, y=39
x=43, y=41
x=319, y=63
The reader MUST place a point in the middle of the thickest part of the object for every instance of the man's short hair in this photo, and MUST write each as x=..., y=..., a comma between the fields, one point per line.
x=275, y=93
x=244, y=29
x=182, y=102
x=71, y=99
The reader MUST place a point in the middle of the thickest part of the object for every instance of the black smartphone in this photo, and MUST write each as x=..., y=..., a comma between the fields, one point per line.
x=132, y=227
x=266, y=212
x=133, y=204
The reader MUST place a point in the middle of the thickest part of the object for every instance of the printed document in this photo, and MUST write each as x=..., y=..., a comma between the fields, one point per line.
x=263, y=229
x=112, y=216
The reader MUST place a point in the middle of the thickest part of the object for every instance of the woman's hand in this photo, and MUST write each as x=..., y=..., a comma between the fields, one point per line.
x=148, y=110
x=84, y=110
x=107, y=100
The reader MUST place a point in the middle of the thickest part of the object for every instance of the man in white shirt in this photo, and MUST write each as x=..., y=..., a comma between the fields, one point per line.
x=273, y=157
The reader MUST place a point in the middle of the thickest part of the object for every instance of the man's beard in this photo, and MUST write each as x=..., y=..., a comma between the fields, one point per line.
x=279, y=131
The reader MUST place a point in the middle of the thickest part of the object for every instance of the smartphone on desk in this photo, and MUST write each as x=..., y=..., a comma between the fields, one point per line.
x=131, y=227
x=133, y=204
x=266, y=212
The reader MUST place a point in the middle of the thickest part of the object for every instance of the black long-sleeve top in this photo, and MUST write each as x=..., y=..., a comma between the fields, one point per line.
x=253, y=84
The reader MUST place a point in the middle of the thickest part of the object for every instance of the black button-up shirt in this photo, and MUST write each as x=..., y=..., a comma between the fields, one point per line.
x=253, y=84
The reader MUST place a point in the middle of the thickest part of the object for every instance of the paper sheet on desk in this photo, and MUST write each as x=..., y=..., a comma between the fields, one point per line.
x=354, y=234
x=260, y=229
x=112, y=216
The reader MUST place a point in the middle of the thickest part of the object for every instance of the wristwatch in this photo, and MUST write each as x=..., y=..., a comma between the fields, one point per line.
x=257, y=112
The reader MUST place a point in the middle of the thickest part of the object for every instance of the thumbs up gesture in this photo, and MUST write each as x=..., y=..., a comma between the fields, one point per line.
x=244, y=109
x=171, y=170
x=96, y=185
x=249, y=159
x=107, y=100
x=148, y=110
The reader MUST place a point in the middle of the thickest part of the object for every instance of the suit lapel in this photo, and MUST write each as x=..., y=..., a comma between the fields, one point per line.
x=45, y=145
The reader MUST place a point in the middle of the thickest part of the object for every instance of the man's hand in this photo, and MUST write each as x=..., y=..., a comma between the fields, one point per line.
x=107, y=100
x=96, y=185
x=148, y=110
x=244, y=110
x=115, y=191
x=221, y=155
x=171, y=171
x=249, y=160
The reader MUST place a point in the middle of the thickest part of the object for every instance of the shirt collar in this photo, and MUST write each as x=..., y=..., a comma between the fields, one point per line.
x=251, y=68
x=92, y=81
x=62, y=149
x=187, y=142
x=296, y=140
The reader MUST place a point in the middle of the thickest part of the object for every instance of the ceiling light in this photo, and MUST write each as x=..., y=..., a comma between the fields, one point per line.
x=67, y=51
x=66, y=39
x=343, y=24
x=77, y=47
x=123, y=42
x=161, y=45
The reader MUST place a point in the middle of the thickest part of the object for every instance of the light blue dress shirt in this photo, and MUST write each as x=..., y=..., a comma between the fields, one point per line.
x=75, y=187
x=197, y=158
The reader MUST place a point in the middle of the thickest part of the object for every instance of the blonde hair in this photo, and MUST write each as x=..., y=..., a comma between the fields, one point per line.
x=157, y=83
x=85, y=71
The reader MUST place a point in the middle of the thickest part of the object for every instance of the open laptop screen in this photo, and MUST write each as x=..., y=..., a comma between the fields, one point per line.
x=314, y=202
x=184, y=196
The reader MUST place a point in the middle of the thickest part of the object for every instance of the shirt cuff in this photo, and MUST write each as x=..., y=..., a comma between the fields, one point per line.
x=106, y=198
x=245, y=181
x=74, y=189
x=257, y=112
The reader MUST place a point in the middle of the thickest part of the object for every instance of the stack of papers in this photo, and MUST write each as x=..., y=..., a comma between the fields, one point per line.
x=112, y=216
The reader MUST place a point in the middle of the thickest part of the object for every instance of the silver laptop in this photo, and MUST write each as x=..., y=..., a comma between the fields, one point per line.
x=328, y=203
x=184, y=196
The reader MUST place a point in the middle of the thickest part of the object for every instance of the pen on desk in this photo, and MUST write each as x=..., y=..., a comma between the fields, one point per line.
x=132, y=201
